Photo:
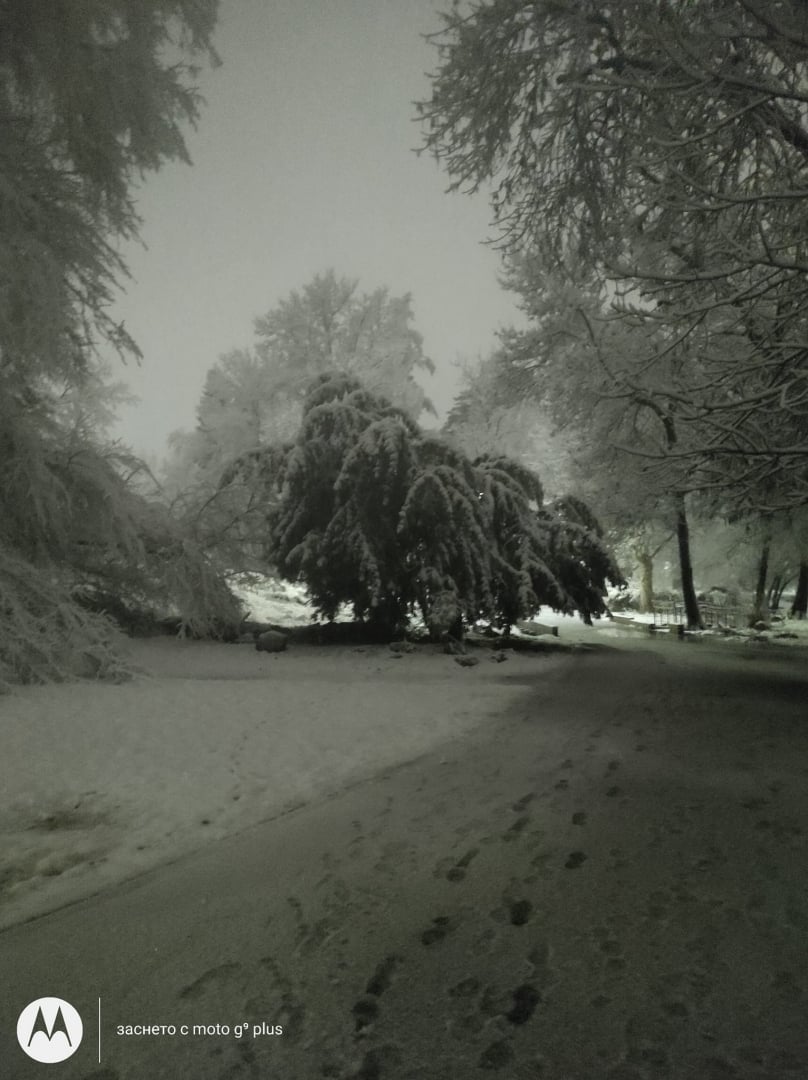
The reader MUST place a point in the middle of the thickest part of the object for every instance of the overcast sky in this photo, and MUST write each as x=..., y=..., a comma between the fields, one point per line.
x=303, y=160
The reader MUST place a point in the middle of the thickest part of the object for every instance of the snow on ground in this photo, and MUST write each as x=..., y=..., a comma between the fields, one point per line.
x=782, y=631
x=101, y=782
x=272, y=600
x=608, y=882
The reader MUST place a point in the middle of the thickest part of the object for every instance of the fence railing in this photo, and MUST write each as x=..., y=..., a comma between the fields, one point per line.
x=672, y=613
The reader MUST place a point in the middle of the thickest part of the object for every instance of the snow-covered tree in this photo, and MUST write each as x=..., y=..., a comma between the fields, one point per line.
x=367, y=509
x=589, y=372
x=329, y=326
x=665, y=146
x=488, y=418
x=92, y=96
x=253, y=398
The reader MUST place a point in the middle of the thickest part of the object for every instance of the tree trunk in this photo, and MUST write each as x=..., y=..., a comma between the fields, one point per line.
x=646, y=561
x=776, y=590
x=692, y=612
x=386, y=620
x=759, y=612
x=800, y=605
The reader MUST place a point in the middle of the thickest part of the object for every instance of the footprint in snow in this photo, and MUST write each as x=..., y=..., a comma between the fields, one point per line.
x=437, y=932
x=576, y=859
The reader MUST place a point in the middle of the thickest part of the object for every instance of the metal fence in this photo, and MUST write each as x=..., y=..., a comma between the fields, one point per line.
x=672, y=613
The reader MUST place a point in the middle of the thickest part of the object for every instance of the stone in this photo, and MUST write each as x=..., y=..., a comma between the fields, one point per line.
x=271, y=641
x=401, y=647
x=466, y=661
x=536, y=629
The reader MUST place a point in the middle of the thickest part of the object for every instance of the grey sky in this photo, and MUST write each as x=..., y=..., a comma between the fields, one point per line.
x=303, y=160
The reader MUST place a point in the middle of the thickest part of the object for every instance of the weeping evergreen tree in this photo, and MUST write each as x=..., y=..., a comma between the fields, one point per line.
x=523, y=576
x=368, y=510
x=340, y=491
x=444, y=533
x=583, y=563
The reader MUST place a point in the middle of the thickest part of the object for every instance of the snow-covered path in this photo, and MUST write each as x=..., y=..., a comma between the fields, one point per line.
x=608, y=883
x=99, y=783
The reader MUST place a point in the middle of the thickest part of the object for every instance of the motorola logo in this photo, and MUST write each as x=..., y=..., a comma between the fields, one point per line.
x=49, y=1029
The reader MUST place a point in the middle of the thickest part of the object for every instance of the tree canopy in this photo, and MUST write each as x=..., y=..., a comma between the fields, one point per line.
x=329, y=325
x=664, y=148
x=488, y=416
x=368, y=510
x=253, y=398
x=92, y=96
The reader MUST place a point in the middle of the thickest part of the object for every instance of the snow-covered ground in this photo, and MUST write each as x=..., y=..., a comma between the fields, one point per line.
x=272, y=600
x=786, y=631
x=619, y=845
x=101, y=782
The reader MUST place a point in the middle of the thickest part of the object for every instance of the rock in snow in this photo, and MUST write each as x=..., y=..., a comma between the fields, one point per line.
x=466, y=661
x=271, y=641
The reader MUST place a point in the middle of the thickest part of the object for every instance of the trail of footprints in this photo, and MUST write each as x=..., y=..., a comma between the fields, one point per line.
x=516, y=1007
x=480, y=1006
x=521, y=1005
